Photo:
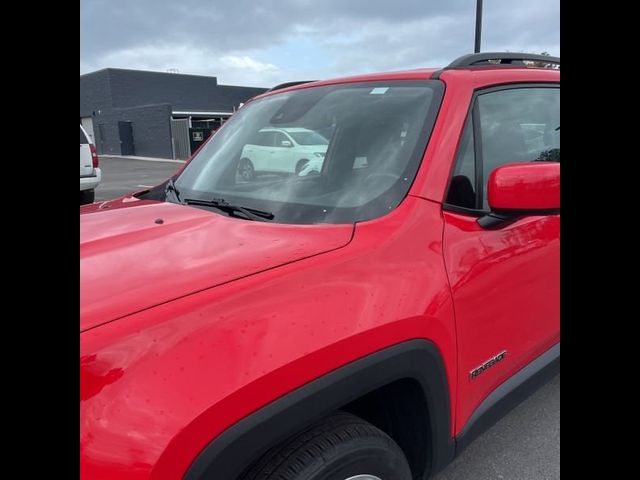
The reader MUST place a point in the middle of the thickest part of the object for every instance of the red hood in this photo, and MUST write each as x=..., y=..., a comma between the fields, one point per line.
x=128, y=262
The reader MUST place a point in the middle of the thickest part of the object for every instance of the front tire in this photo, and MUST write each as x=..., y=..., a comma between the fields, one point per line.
x=87, y=196
x=339, y=447
x=246, y=170
x=300, y=165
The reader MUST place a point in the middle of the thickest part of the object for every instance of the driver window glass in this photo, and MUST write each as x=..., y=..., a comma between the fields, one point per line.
x=518, y=125
x=462, y=192
x=280, y=137
x=265, y=139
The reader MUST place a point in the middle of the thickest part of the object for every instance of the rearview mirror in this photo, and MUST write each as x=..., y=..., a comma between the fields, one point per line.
x=285, y=143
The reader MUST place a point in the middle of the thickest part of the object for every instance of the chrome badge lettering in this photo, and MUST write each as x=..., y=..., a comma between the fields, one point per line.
x=488, y=364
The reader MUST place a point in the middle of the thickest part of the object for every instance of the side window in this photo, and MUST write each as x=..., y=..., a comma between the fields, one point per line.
x=518, y=125
x=514, y=125
x=462, y=190
x=280, y=137
x=265, y=139
x=83, y=139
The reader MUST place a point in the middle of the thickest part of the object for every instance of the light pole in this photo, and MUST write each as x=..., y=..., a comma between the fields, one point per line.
x=478, y=26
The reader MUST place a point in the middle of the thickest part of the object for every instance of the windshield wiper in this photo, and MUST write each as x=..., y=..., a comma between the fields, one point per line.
x=221, y=204
x=171, y=186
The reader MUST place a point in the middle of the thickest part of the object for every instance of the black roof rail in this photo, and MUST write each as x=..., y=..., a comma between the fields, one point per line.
x=288, y=84
x=497, y=59
x=509, y=58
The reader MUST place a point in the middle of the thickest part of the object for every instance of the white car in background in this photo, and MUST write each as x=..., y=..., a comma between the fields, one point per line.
x=90, y=174
x=282, y=150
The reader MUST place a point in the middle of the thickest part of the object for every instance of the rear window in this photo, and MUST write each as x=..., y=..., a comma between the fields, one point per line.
x=309, y=138
x=83, y=138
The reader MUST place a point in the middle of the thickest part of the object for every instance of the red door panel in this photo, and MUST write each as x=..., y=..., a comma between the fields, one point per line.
x=506, y=291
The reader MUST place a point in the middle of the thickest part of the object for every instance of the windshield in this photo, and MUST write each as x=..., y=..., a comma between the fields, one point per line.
x=368, y=140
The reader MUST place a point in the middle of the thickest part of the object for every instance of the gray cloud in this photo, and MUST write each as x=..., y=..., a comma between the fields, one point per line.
x=235, y=40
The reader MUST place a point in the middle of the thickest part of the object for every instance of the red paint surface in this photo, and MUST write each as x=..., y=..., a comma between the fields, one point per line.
x=190, y=325
x=525, y=186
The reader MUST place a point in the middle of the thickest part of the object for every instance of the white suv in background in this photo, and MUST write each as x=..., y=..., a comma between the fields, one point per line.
x=282, y=150
x=90, y=174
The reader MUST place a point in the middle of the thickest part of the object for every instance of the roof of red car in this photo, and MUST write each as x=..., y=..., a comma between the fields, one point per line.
x=417, y=74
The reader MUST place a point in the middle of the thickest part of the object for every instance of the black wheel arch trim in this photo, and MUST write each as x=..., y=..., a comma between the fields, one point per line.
x=236, y=448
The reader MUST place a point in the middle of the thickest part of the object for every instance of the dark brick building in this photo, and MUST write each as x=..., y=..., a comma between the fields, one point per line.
x=154, y=114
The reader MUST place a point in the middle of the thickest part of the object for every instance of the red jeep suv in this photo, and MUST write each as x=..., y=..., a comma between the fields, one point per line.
x=363, y=318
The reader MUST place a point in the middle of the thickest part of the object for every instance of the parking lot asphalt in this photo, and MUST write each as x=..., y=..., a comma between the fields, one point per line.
x=524, y=445
x=121, y=175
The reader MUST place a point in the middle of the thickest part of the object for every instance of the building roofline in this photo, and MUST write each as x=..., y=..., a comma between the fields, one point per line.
x=243, y=86
x=199, y=112
x=155, y=72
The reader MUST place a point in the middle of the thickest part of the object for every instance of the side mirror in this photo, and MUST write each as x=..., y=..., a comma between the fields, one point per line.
x=522, y=189
x=285, y=143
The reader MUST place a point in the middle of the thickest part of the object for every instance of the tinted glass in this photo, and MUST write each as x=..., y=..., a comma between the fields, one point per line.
x=264, y=139
x=377, y=134
x=462, y=190
x=83, y=138
x=519, y=125
x=280, y=137
x=309, y=138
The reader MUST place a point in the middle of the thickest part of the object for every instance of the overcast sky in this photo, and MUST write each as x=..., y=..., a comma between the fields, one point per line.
x=265, y=42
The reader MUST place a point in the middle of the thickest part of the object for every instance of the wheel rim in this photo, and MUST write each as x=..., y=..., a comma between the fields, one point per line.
x=364, y=477
x=246, y=171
